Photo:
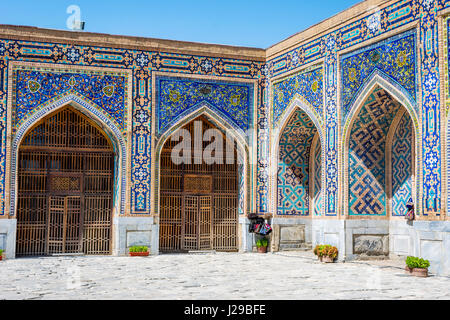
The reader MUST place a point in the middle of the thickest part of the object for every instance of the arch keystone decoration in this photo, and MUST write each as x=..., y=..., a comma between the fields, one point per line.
x=298, y=101
x=380, y=79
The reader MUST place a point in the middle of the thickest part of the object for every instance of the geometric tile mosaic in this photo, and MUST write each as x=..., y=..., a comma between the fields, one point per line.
x=35, y=87
x=402, y=166
x=318, y=192
x=431, y=105
x=394, y=57
x=106, y=91
x=293, y=166
x=367, y=146
x=308, y=84
x=421, y=15
x=326, y=47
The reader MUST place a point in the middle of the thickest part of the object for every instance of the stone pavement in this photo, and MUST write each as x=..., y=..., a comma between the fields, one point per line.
x=222, y=276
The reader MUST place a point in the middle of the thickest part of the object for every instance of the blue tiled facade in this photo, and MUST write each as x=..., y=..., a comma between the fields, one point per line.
x=337, y=83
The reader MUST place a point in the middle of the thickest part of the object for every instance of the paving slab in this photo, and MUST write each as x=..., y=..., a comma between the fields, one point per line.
x=222, y=276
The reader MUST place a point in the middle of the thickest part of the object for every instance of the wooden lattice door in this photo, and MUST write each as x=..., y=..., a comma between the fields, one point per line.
x=64, y=225
x=190, y=223
x=65, y=186
x=198, y=201
x=197, y=222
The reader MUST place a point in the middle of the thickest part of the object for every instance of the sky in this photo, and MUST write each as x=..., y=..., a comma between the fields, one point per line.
x=248, y=23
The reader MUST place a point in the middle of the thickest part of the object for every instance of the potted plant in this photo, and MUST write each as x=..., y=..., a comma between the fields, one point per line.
x=262, y=244
x=417, y=266
x=326, y=253
x=138, y=251
x=1, y=255
x=318, y=251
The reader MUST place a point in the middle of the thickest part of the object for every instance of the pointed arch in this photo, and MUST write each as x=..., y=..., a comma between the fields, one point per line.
x=379, y=79
x=203, y=106
x=397, y=93
x=88, y=108
x=217, y=118
x=297, y=103
x=222, y=124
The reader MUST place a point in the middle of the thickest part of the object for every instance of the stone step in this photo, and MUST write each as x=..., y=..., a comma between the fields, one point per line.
x=296, y=247
x=202, y=251
x=67, y=254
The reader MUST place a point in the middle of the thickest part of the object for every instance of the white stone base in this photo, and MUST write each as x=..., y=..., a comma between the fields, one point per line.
x=246, y=238
x=328, y=231
x=429, y=240
x=290, y=233
x=426, y=239
x=135, y=231
x=8, y=229
x=375, y=229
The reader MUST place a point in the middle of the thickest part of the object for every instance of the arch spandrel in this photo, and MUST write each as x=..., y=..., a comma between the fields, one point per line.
x=209, y=111
x=378, y=79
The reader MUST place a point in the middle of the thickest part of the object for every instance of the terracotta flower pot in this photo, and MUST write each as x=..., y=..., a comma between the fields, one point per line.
x=139, y=254
x=417, y=272
x=420, y=272
x=327, y=259
x=262, y=249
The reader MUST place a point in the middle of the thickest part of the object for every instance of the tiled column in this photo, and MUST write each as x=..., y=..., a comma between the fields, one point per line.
x=331, y=127
x=430, y=108
x=141, y=162
x=263, y=150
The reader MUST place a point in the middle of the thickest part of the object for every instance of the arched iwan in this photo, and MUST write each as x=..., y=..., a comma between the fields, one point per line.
x=88, y=108
x=404, y=99
x=237, y=134
x=296, y=104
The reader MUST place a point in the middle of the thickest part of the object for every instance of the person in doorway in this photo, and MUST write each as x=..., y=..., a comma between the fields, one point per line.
x=410, y=210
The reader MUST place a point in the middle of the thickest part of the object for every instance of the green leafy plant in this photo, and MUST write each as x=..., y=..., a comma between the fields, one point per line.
x=415, y=262
x=139, y=249
x=326, y=250
x=1, y=252
x=262, y=243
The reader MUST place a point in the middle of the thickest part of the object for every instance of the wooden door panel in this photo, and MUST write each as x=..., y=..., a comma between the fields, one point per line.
x=73, y=225
x=209, y=200
x=57, y=220
x=205, y=223
x=65, y=187
x=190, y=223
x=171, y=223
